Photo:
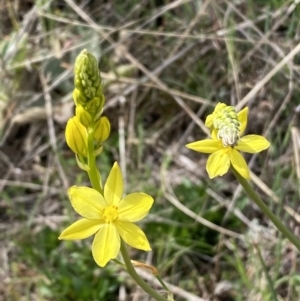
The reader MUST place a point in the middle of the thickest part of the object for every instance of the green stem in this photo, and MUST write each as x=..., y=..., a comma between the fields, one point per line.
x=93, y=172
x=265, y=209
x=268, y=277
x=162, y=283
x=134, y=275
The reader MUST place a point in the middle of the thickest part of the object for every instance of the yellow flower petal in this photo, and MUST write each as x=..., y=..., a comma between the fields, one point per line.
x=81, y=229
x=214, y=134
x=114, y=186
x=135, y=206
x=218, y=163
x=209, y=121
x=133, y=235
x=243, y=119
x=106, y=244
x=207, y=146
x=239, y=163
x=87, y=202
x=252, y=144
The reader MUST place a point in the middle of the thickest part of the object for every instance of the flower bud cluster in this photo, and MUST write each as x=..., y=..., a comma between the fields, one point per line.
x=225, y=121
x=88, y=85
x=89, y=102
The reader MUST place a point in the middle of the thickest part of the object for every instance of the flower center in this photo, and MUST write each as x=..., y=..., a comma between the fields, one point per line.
x=229, y=136
x=226, y=121
x=110, y=214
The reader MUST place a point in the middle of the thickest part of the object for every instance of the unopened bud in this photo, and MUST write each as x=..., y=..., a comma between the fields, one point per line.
x=224, y=120
x=83, y=116
x=209, y=122
x=76, y=136
x=88, y=86
x=95, y=107
x=102, y=130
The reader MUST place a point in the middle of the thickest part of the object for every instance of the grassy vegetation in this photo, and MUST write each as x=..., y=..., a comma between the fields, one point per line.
x=165, y=64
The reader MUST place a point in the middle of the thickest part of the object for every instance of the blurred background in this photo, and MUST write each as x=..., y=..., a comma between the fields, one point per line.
x=165, y=65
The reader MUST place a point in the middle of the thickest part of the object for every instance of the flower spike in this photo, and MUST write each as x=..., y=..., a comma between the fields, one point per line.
x=88, y=84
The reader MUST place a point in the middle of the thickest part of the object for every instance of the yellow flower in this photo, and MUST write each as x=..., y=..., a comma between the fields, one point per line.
x=109, y=216
x=225, y=144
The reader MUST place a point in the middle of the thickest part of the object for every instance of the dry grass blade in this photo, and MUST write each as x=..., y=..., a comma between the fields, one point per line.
x=283, y=17
x=189, y=28
x=174, y=201
x=113, y=101
x=174, y=289
x=180, y=102
x=267, y=77
x=52, y=134
x=295, y=132
x=269, y=192
x=169, y=195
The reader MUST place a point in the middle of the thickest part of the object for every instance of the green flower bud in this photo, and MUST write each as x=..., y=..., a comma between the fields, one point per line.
x=78, y=98
x=88, y=85
x=76, y=136
x=225, y=120
x=209, y=122
x=102, y=130
x=95, y=107
x=225, y=124
x=87, y=78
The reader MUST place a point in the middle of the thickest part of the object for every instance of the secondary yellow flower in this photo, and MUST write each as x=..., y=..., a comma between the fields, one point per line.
x=109, y=216
x=225, y=142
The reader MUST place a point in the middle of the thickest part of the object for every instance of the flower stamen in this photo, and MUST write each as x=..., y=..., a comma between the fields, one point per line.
x=110, y=214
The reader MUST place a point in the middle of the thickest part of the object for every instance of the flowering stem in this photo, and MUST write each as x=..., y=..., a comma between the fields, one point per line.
x=265, y=209
x=134, y=275
x=93, y=172
x=96, y=183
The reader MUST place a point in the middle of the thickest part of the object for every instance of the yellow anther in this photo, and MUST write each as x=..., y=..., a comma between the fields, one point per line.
x=110, y=214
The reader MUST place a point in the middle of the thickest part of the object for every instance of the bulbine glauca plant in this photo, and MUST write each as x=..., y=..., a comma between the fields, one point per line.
x=105, y=212
x=109, y=215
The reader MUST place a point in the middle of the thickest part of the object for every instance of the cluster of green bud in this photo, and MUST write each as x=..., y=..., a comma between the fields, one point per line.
x=225, y=120
x=89, y=101
x=88, y=84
